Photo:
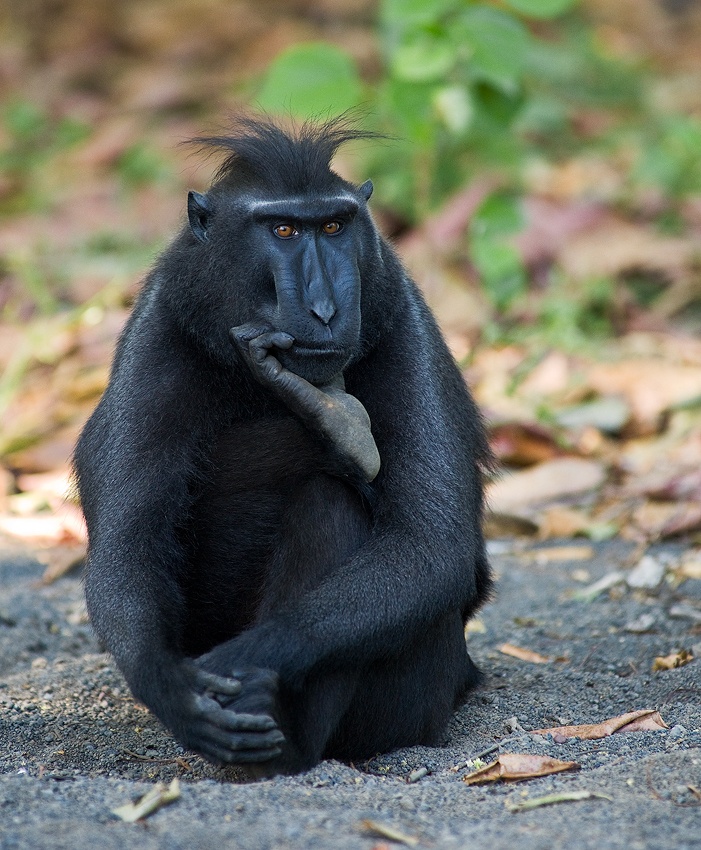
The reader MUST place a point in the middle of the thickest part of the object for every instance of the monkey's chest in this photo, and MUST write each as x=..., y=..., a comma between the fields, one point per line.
x=239, y=525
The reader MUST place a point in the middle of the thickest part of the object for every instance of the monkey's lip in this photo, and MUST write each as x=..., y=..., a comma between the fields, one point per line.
x=321, y=351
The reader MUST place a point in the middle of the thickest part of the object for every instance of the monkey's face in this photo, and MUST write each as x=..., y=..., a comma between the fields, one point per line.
x=313, y=261
x=304, y=260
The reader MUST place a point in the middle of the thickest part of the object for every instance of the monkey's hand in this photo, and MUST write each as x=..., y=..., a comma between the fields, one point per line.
x=217, y=718
x=328, y=410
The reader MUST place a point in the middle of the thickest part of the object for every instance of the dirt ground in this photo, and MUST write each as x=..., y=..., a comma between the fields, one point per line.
x=74, y=745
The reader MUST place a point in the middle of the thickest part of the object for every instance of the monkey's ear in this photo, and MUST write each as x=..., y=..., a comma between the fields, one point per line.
x=199, y=213
x=366, y=189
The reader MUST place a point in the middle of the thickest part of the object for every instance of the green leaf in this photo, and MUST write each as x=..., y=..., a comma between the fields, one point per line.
x=500, y=268
x=541, y=8
x=423, y=57
x=406, y=14
x=454, y=107
x=498, y=215
x=410, y=110
x=311, y=80
x=24, y=120
x=498, y=45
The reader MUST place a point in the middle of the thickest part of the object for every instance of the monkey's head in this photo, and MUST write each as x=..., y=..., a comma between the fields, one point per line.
x=287, y=240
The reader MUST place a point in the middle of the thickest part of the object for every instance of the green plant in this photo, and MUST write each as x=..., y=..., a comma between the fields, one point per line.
x=452, y=87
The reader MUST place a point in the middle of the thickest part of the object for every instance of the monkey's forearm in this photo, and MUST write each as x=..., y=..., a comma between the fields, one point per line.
x=329, y=410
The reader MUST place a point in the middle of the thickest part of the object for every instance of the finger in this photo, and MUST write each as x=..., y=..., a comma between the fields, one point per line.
x=239, y=722
x=217, y=684
x=252, y=756
x=222, y=755
x=273, y=339
x=245, y=333
x=242, y=740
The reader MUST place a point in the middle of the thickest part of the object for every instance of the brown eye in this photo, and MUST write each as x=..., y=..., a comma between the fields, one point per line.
x=331, y=228
x=285, y=231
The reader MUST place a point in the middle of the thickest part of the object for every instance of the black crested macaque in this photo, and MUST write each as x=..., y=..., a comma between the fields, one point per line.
x=282, y=481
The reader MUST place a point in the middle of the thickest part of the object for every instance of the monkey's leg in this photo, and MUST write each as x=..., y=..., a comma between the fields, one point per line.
x=329, y=410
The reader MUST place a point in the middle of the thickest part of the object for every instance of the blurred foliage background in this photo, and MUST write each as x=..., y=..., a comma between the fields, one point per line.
x=507, y=100
x=541, y=179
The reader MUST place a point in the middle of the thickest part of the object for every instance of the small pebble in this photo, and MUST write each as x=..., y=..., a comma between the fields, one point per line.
x=675, y=735
x=647, y=574
x=641, y=624
x=417, y=774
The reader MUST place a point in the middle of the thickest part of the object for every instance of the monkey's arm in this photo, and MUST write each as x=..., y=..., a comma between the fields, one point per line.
x=135, y=461
x=329, y=410
x=425, y=556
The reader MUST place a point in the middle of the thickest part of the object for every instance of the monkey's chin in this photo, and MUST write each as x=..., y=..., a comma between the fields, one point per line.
x=316, y=365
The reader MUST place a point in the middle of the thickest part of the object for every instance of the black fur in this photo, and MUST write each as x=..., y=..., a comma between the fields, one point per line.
x=226, y=537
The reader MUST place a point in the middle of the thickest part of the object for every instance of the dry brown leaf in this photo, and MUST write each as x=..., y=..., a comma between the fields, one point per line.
x=552, y=799
x=562, y=553
x=554, y=479
x=667, y=519
x=633, y=721
x=522, y=444
x=672, y=661
x=55, y=484
x=681, y=485
x=512, y=767
x=46, y=529
x=523, y=654
x=615, y=247
x=386, y=831
x=558, y=521
x=651, y=386
x=6, y=485
x=60, y=560
x=497, y=525
x=686, y=519
x=158, y=796
x=690, y=566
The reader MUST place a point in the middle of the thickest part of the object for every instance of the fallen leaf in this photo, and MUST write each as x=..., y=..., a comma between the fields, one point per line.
x=522, y=444
x=559, y=521
x=154, y=799
x=523, y=654
x=562, y=553
x=678, y=486
x=550, y=799
x=690, y=566
x=686, y=519
x=646, y=719
x=513, y=767
x=609, y=414
x=650, y=385
x=591, y=591
x=6, y=486
x=672, y=661
x=48, y=529
x=498, y=525
x=685, y=611
x=60, y=560
x=56, y=485
x=554, y=479
x=386, y=831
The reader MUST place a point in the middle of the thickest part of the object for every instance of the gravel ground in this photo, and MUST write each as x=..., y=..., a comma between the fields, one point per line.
x=74, y=745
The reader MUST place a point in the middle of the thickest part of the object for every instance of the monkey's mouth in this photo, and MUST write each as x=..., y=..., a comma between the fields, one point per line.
x=320, y=351
x=315, y=363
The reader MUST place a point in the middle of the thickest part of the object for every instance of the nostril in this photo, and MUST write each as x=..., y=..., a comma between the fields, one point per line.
x=324, y=311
